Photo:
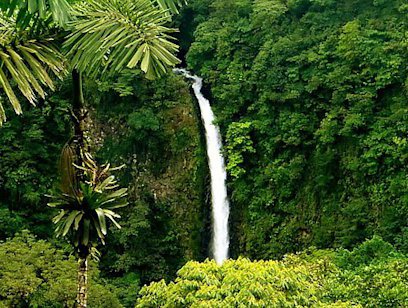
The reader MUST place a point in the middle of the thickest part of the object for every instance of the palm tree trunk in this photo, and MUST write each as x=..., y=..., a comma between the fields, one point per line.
x=82, y=295
x=78, y=108
x=79, y=115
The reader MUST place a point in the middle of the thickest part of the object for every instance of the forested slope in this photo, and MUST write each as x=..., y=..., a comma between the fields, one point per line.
x=312, y=98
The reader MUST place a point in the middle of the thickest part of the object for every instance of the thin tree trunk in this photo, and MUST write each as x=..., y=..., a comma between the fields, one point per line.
x=79, y=115
x=82, y=295
x=78, y=108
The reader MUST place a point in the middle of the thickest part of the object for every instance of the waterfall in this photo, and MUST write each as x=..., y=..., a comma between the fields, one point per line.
x=219, y=197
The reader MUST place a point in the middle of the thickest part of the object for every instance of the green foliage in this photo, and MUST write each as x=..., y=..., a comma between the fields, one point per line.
x=323, y=84
x=34, y=273
x=101, y=34
x=30, y=146
x=238, y=143
x=112, y=35
x=145, y=122
x=171, y=5
x=373, y=275
x=235, y=283
x=58, y=9
x=368, y=252
x=85, y=213
x=127, y=288
x=10, y=223
x=315, y=278
x=28, y=58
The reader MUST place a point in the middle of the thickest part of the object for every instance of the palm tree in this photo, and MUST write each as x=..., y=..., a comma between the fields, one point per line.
x=85, y=212
x=101, y=38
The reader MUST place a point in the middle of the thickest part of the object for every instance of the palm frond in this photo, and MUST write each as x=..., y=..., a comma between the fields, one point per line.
x=59, y=10
x=26, y=64
x=171, y=5
x=110, y=35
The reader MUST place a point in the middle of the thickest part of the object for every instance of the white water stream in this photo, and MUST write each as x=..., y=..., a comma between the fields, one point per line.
x=219, y=197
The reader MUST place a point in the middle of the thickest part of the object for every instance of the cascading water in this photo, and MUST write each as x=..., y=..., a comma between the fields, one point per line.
x=219, y=197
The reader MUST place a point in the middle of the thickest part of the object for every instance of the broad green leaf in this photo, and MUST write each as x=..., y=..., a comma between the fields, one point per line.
x=68, y=222
x=102, y=220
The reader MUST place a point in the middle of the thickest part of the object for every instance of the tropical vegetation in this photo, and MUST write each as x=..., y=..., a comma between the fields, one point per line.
x=310, y=97
x=373, y=274
x=98, y=35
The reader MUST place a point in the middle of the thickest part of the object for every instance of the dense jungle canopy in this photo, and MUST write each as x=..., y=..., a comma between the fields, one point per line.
x=311, y=97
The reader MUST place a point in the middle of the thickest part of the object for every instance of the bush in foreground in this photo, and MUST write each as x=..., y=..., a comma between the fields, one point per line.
x=372, y=275
x=33, y=273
